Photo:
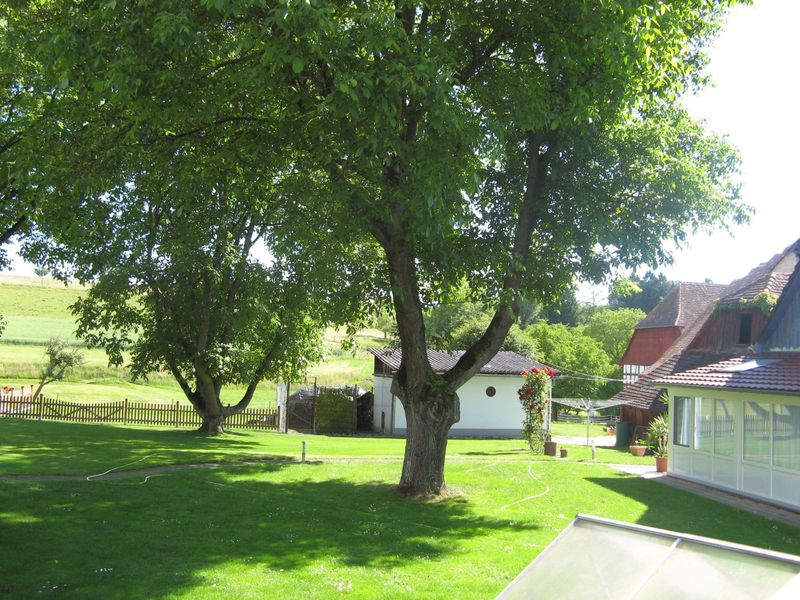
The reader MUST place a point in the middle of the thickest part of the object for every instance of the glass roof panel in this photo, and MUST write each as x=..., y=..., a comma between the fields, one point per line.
x=601, y=558
x=591, y=561
x=717, y=573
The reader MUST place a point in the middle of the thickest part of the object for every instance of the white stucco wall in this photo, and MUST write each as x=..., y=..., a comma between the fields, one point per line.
x=761, y=480
x=481, y=415
x=382, y=404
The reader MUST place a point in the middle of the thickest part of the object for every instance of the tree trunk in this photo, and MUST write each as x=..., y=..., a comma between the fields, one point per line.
x=212, y=424
x=430, y=414
x=210, y=408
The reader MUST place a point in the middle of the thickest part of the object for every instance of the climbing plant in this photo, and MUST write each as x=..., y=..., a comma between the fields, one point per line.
x=534, y=397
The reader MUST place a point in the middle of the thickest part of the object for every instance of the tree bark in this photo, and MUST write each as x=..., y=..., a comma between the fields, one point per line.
x=430, y=413
x=212, y=424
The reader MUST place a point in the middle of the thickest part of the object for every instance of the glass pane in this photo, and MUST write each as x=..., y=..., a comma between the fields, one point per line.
x=786, y=436
x=700, y=571
x=682, y=421
x=591, y=561
x=756, y=431
x=703, y=424
x=724, y=428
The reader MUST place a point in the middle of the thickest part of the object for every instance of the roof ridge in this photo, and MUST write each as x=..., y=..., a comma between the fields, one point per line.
x=680, y=303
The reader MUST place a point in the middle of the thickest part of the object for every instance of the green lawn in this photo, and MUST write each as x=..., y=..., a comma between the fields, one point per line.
x=53, y=448
x=317, y=530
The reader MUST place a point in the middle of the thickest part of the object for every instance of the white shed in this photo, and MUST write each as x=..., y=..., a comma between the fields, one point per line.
x=490, y=406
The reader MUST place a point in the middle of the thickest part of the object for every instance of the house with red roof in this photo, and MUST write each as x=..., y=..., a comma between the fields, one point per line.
x=734, y=391
x=719, y=328
x=659, y=330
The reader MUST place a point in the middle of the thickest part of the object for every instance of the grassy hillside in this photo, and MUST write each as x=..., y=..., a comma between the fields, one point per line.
x=36, y=310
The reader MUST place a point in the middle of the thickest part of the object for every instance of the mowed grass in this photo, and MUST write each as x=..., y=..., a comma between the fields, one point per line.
x=29, y=447
x=577, y=429
x=321, y=529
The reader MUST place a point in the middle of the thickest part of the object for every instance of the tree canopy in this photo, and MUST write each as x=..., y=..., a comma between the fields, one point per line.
x=581, y=364
x=514, y=144
x=613, y=329
x=642, y=293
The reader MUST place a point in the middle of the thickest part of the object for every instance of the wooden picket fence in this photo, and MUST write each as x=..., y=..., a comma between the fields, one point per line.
x=126, y=412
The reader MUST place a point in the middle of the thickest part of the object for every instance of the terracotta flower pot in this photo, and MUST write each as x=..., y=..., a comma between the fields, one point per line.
x=661, y=464
x=637, y=450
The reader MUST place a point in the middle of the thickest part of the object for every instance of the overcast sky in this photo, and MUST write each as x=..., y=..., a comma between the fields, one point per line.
x=754, y=65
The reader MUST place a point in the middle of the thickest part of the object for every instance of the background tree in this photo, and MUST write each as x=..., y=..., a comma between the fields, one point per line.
x=514, y=145
x=613, y=329
x=170, y=253
x=41, y=273
x=60, y=360
x=643, y=293
x=580, y=363
x=565, y=309
x=384, y=322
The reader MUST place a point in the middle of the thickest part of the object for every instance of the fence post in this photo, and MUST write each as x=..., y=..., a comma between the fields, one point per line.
x=355, y=411
x=314, y=409
x=41, y=407
x=177, y=413
x=125, y=412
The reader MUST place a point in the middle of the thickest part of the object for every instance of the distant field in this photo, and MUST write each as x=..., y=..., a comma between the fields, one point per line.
x=114, y=391
x=36, y=300
x=38, y=330
x=36, y=311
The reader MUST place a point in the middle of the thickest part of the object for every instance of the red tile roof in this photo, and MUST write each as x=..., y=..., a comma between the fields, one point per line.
x=503, y=363
x=769, y=372
x=682, y=305
x=770, y=276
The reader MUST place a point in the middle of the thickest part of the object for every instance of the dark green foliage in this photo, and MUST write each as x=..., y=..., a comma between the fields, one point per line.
x=652, y=289
x=565, y=310
x=335, y=411
x=459, y=323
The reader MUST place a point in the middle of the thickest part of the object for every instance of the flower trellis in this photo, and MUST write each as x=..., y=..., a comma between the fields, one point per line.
x=533, y=395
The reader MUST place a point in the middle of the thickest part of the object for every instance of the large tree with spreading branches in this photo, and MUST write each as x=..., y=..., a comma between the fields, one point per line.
x=513, y=144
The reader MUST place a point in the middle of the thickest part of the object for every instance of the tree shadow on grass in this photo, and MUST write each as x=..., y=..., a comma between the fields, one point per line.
x=48, y=447
x=685, y=512
x=513, y=451
x=161, y=538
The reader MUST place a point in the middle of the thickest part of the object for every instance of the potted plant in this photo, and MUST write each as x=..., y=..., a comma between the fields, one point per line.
x=658, y=433
x=638, y=447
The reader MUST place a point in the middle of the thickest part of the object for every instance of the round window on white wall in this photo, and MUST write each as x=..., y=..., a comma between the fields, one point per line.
x=490, y=391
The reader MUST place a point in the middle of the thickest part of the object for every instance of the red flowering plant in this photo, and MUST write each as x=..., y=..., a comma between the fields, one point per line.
x=533, y=395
